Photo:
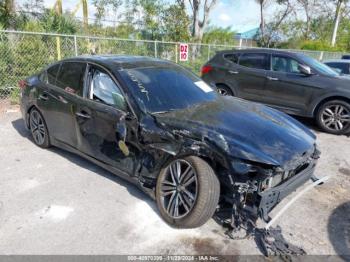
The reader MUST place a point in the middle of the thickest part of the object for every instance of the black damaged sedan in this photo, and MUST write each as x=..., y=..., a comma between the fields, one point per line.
x=158, y=125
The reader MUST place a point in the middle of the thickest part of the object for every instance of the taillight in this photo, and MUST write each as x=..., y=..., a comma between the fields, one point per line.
x=22, y=84
x=206, y=69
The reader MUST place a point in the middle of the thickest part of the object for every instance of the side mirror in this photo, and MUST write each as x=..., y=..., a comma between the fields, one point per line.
x=304, y=69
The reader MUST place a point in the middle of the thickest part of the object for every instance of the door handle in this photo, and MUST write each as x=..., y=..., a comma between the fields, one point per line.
x=44, y=97
x=272, y=78
x=83, y=115
x=233, y=72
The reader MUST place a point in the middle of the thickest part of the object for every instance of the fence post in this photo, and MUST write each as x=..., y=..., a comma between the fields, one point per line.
x=208, y=52
x=58, y=47
x=321, y=56
x=176, y=54
x=155, y=49
x=75, y=46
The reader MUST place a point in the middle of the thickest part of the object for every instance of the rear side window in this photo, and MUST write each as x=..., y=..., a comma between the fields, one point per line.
x=257, y=61
x=71, y=77
x=232, y=58
x=342, y=67
x=51, y=75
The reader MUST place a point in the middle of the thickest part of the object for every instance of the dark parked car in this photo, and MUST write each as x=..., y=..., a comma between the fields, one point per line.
x=342, y=66
x=291, y=82
x=161, y=127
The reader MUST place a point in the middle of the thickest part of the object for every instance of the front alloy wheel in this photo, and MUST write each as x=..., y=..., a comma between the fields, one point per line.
x=38, y=128
x=187, y=192
x=179, y=189
x=334, y=117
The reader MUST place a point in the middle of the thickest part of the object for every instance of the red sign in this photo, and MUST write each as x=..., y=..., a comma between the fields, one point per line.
x=183, y=52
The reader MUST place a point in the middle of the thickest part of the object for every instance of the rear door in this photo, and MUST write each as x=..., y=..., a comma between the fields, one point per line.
x=100, y=117
x=64, y=89
x=287, y=88
x=250, y=75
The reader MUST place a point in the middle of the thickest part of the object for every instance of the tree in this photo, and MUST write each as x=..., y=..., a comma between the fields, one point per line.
x=7, y=13
x=85, y=14
x=103, y=5
x=197, y=8
x=262, y=4
x=307, y=6
x=150, y=18
x=176, y=24
x=271, y=33
x=338, y=11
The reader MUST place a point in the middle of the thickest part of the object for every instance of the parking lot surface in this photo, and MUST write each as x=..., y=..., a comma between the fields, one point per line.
x=54, y=202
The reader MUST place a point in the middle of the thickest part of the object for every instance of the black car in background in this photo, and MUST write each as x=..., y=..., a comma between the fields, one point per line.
x=291, y=82
x=342, y=66
x=156, y=124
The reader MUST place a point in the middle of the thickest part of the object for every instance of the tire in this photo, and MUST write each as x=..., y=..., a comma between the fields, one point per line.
x=202, y=205
x=224, y=90
x=38, y=129
x=334, y=117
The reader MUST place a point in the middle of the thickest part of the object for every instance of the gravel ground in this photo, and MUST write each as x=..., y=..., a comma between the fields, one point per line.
x=54, y=202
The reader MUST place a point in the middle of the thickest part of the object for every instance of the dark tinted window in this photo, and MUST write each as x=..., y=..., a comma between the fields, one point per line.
x=52, y=74
x=285, y=64
x=104, y=89
x=71, y=77
x=232, y=57
x=258, y=61
x=342, y=67
x=345, y=57
x=162, y=89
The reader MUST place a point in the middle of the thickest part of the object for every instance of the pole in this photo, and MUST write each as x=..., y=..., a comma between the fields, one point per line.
x=176, y=54
x=155, y=49
x=208, y=52
x=75, y=46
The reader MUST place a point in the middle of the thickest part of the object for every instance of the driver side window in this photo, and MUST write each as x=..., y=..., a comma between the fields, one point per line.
x=104, y=90
x=285, y=64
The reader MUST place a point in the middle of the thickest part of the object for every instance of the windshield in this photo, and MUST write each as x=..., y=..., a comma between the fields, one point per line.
x=322, y=68
x=163, y=89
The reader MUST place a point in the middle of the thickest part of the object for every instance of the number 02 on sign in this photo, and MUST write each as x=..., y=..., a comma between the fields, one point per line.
x=183, y=52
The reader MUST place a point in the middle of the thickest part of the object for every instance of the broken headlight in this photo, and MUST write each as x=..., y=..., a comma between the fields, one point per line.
x=274, y=180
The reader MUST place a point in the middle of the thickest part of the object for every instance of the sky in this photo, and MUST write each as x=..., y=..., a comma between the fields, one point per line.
x=240, y=15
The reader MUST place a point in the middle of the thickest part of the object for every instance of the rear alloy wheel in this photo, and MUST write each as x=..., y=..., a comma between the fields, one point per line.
x=38, y=129
x=334, y=117
x=224, y=90
x=187, y=192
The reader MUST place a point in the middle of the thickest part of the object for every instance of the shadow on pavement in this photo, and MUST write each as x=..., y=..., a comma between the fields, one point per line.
x=339, y=230
x=18, y=125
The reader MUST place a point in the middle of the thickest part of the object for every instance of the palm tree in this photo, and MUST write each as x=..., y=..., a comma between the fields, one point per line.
x=85, y=14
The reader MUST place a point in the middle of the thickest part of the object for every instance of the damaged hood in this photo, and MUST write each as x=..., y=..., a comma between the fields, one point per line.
x=243, y=129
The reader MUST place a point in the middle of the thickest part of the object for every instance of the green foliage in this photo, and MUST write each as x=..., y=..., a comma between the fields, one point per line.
x=318, y=45
x=52, y=22
x=218, y=35
x=176, y=24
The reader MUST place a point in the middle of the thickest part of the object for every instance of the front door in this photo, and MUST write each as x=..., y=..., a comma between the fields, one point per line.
x=287, y=88
x=101, y=121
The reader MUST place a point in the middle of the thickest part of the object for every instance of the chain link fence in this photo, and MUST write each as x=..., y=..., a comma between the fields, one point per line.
x=25, y=53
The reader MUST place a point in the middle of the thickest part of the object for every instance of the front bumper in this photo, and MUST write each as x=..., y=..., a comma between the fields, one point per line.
x=271, y=197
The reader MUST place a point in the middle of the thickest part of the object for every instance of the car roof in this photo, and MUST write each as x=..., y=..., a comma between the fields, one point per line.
x=345, y=61
x=260, y=50
x=121, y=61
